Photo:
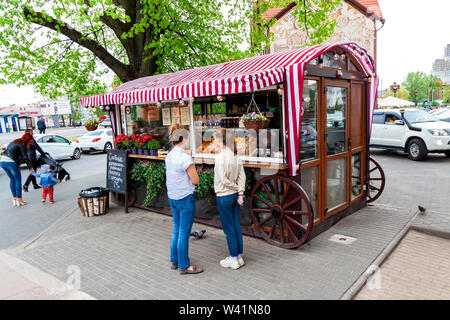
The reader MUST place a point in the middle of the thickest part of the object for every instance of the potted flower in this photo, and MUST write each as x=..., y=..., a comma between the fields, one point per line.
x=254, y=121
x=153, y=146
x=145, y=139
x=135, y=143
x=91, y=125
x=121, y=142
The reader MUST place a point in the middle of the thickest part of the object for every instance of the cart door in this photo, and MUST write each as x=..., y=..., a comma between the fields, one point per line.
x=337, y=145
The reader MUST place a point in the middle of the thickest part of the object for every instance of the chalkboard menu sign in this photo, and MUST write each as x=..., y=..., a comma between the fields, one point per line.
x=116, y=173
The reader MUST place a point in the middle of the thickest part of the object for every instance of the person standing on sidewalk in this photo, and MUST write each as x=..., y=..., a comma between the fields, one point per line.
x=41, y=126
x=31, y=153
x=181, y=176
x=229, y=186
x=12, y=157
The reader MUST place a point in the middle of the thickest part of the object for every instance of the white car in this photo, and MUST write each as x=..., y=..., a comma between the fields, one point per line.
x=98, y=140
x=105, y=123
x=58, y=147
x=413, y=131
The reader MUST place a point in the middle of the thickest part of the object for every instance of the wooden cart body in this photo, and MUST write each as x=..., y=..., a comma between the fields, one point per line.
x=301, y=198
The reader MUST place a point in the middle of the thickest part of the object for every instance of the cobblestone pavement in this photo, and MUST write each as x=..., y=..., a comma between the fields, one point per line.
x=419, y=268
x=126, y=257
x=433, y=223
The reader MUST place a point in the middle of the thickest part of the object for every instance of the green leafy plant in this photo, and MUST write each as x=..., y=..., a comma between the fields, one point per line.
x=153, y=174
x=206, y=184
x=153, y=145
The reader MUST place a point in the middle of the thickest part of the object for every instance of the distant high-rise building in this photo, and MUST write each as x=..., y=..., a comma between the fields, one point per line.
x=441, y=67
x=447, y=53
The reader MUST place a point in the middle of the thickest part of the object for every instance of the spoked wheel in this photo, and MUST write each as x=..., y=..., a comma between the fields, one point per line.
x=377, y=181
x=281, y=211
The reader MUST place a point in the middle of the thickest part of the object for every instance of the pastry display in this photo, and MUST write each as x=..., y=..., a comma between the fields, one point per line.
x=207, y=147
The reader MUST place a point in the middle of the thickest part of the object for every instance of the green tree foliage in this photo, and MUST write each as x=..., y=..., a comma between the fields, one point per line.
x=64, y=47
x=421, y=82
x=401, y=94
x=447, y=94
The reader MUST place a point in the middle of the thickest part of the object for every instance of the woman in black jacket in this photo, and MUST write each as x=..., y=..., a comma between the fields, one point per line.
x=11, y=159
x=31, y=153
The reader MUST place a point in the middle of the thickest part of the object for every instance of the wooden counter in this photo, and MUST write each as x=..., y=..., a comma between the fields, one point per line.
x=247, y=164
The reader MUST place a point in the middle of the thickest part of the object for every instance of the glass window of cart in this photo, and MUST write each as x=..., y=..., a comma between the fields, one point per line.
x=308, y=135
x=147, y=119
x=254, y=141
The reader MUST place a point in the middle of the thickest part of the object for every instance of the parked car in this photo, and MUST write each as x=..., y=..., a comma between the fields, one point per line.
x=413, y=131
x=444, y=116
x=98, y=140
x=105, y=123
x=58, y=147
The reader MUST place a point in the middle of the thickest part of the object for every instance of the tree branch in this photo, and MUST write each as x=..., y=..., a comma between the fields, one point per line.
x=122, y=70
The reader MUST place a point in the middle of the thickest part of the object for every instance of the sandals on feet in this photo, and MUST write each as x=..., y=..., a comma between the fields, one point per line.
x=193, y=271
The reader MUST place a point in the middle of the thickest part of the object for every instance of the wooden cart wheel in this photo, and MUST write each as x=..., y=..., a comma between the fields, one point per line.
x=377, y=181
x=281, y=211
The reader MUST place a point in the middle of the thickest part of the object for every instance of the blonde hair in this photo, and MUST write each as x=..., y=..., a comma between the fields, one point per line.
x=177, y=133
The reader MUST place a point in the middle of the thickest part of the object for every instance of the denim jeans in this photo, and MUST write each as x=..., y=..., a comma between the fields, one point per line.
x=183, y=212
x=229, y=215
x=15, y=178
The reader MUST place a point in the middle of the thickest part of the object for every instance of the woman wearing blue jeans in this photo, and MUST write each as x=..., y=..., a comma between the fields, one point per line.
x=11, y=159
x=229, y=186
x=181, y=176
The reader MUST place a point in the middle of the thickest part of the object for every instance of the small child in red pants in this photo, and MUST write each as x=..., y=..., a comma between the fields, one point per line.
x=47, y=181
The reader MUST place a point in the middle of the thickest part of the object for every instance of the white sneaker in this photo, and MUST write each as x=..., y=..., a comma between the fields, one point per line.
x=230, y=262
x=240, y=260
x=16, y=203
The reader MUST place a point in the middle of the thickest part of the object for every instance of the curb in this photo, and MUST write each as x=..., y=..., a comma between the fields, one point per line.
x=48, y=283
x=432, y=232
x=361, y=281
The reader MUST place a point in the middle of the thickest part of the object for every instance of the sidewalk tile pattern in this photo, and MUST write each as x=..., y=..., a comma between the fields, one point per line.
x=419, y=268
x=129, y=258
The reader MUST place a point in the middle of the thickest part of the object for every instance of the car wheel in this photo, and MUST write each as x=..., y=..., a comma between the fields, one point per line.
x=76, y=154
x=417, y=150
x=447, y=153
x=108, y=146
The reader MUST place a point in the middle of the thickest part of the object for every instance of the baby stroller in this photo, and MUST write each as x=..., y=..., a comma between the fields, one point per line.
x=58, y=171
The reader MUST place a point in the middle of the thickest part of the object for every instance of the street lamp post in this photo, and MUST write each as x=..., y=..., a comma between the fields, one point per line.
x=415, y=98
x=395, y=87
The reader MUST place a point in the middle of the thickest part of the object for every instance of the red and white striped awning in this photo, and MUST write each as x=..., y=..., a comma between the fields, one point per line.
x=245, y=75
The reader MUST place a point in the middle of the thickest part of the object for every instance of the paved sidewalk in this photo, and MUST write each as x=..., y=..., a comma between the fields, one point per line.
x=126, y=257
x=14, y=286
x=21, y=281
x=418, y=269
x=433, y=223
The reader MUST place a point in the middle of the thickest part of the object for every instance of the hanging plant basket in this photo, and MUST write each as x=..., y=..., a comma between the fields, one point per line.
x=91, y=128
x=253, y=124
x=254, y=120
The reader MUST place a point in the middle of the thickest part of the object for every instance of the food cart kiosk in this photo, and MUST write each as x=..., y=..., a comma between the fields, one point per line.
x=306, y=156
